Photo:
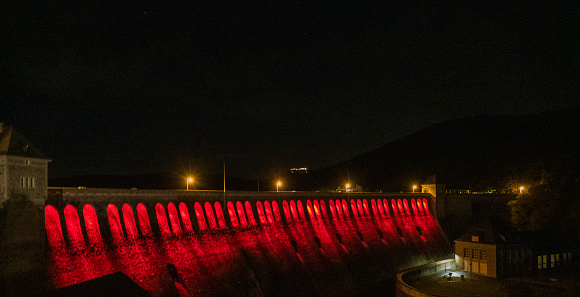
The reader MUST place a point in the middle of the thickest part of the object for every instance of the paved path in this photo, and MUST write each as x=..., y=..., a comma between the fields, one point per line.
x=472, y=285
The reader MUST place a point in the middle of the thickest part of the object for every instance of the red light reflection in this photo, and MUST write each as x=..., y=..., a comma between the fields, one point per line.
x=129, y=219
x=323, y=210
x=162, y=220
x=268, y=211
x=287, y=213
x=53, y=228
x=115, y=224
x=300, y=210
x=241, y=214
x=92, y=225
x=332, y=209
x=353, y=207
x=250, y=214
x=263, y=220
x=144, y=220
x=210, y=216
x=345, y=209
x=73, y=227
x=220, y=215
x=316, y=206
x=232, y=214
x=276, y=211
x=183, y=211
x=199, y=216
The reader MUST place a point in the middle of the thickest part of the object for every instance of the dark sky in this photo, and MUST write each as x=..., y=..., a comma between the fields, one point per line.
x=124, y=88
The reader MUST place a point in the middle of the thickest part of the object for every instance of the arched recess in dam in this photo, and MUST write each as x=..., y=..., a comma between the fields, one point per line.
x=297, y=246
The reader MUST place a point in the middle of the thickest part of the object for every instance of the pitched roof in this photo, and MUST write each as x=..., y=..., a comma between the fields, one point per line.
x=14, y=144
x=492, y=230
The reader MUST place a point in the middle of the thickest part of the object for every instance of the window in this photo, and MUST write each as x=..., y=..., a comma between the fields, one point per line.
x=483, y=255
x=545, y=261
x=466, y=252
x=27, y=182
x=539, y=262
x=475, y=254
x=552, y=260
x=557, y=259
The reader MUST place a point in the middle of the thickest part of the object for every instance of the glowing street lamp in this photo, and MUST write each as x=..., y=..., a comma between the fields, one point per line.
x=414, y=187
x=347, y=186
x=521, y=189
x=189, y=180
x=278, y=185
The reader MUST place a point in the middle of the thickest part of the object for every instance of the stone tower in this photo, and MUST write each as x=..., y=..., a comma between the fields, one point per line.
x=23, y=169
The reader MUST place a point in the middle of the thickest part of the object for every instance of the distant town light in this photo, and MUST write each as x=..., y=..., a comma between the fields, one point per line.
x=299, y=170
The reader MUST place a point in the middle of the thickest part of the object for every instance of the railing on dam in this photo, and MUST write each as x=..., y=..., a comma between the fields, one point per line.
x=83, y=219
x=401, y=278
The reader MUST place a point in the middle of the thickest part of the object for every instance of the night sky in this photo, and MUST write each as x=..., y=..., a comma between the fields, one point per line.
x=126, y=88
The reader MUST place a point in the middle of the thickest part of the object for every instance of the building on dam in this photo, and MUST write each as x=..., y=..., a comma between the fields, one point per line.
x=23, y=169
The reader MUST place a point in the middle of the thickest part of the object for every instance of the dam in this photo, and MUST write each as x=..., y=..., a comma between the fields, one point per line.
x=240, y=243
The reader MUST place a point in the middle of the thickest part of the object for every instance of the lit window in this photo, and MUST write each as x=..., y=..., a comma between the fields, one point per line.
x=474, y=254
x=545, y=261
x=539, y=262
x=557, y=259
x=552, y=260
x=466, y=252
x=483, y=255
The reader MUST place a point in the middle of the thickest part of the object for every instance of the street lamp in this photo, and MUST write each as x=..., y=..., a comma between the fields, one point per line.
x=414, y=187
x=347, y=186
x=189, y=180
x=521, y=189
x=278, y=185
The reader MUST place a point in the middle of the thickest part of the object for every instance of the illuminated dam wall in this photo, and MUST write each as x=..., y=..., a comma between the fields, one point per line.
x=243, y=243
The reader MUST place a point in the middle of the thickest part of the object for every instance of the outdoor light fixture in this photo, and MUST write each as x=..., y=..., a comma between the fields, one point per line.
x=347, y=186
x=189, y=180
x=521, y=190
x=278, y=185
x=414, y=187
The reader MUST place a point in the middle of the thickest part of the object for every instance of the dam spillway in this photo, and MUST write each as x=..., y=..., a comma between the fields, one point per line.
x=288, y=245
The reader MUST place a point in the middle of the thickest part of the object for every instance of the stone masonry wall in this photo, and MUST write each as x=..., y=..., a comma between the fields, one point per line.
x=18, y=168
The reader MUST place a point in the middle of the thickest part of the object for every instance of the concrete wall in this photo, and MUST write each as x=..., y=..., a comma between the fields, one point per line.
x=100, y=199
x=401, y=278
x=97, y=195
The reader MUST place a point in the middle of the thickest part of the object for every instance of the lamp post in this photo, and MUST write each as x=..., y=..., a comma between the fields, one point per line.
x=278, y=185
x=189, y=180
x=521, y=190
x=347, y=186
x=414, y=187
